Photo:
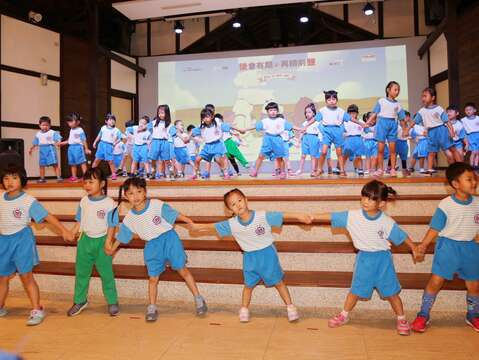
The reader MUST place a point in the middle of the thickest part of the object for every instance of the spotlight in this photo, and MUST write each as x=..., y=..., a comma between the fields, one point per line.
x=34, y=17
x=236, y=24
x=368, y=9
x=179, y=27
x=303, y=19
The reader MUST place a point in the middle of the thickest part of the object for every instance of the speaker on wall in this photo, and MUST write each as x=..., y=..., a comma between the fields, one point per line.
x=11, y=152
x=434, y=11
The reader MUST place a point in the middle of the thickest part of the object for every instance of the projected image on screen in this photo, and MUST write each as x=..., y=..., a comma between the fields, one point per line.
x=239, y=87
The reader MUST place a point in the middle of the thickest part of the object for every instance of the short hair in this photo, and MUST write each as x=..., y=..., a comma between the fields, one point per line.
x=330, y=94
x=471, y=104
x=110, y=116
x=210, y=106
x=190, y=127
x=377, y=190
x=44, y=119
x=177, y=121
x=231, y=192
x=13, y=169
x=353, y=108
x=407, y=113
x=129, y=123
x=271, y=105
x=219, y=116
x=73, y=116
x=455, y=170
x=453, y=107
x=205, y=113
x=146, y=117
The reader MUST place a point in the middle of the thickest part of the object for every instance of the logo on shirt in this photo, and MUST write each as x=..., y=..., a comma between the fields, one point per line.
x=381, y=234
x=436, y=115
x=476, y=218
x=17, y=213
x=49, y=138
x=100, y=214
x=157, y=220
x=260, y=230
x=76, y=136
x=217, y=131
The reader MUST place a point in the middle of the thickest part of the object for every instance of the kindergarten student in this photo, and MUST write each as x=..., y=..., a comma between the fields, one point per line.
x=142, y=137
x=94, y=221
x=402, y=146
x=310, y=141
x=46, y=139
x=252, y=231
x=353, y=144
x=419, y=133
x=107, y=138
x=471, y=125
x=128, y=153
x=459, y=131
x=119, y=153
x=370, y=146
x=152, y=220
x=17, y=242
x=192, y=146
x=181, y=140
x=454, y=226
x=160, y=152
x=77, y=145
x=372, y=232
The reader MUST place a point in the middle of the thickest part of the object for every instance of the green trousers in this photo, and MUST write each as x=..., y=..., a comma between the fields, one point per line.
x=232, y=149
x=90, y=252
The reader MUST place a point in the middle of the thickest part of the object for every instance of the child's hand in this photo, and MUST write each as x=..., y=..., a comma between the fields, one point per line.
x=109, y=252
x=88, y=151
x=305, y=218
x=419, y=253
x=94, y=145
x=68, y=236
x=30, y=151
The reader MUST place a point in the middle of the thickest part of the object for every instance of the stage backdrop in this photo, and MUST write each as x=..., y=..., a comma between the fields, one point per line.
x=239, y=84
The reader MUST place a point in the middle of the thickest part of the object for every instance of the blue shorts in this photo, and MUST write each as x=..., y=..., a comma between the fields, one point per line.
x=420, y=151
x=104, y=151
x=159, y=150
x=76, y=154
x=473, y=140
x=456, y=257
x=459, y=144
x=181, y=155
x=166, y=248
x=402, y=149
x=193, y=158
x=386, y=130
x=370, y=148
x=140, y=153
x=438, y=138
x=374, y=270
x=273, y=147
x=117, y=158
x=287, y=145
x=310, y=145
x=213, y=150
x=353, y=147
x=333, y=135
x=18, y=252
x=47, y=155
x=262, y=265
x=172, y=150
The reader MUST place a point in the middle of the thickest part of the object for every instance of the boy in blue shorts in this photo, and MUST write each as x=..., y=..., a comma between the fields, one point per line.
x=455, y=225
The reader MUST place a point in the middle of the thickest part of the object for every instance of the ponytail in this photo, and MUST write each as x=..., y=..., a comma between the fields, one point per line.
x=378, y=191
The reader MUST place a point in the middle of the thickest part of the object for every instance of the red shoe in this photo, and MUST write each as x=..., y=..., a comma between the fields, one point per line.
x=474, y=323
x=420, y=324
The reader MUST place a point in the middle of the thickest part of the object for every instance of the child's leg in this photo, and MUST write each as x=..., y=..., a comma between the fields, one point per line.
x=112, y=166
x=189, y=280
x=246, y=297
x=412, y=164
x=430, y=160
x=73, y=170
x=380, y=157
x=83, y=168
x=160, y=167
x=396, y=304
x=104, y=266
x=259, y=161
x=421, y=163
x=392, y=156
x=4, y=285
x=341, y=159
x=283, y=292
x=147, y=168
x=153, y=289
x=134, y=165
x=433, y=287
x=374, y=163
x=42, y=171
x=31, y=288
x=96, y=162
x=233, y=162
x=350, y=302
x=56, y=168
x=85, y=259
x=324, y=152
x=472, y=299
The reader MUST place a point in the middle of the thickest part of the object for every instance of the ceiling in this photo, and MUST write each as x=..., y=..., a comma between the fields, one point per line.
x=144, y=9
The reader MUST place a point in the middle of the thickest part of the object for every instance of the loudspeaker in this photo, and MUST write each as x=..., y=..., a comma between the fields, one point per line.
x=434, y=11
x=11, y=152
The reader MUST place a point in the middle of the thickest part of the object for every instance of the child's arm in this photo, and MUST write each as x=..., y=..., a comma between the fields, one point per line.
x=85, y=146
x=416, y=254
x=52, y=220
x=33, y=147
x=185, y=219
x=321, y=217
x=75, y=229
x=97, y=139
x=430, y=236
x=301, y=217
x=111, y=244
x=203, y=228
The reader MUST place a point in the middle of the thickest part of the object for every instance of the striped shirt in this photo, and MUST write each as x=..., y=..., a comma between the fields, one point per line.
x=431, y=116
x=95, y=215
x=457, y=220
x=332, y=116
x=273, y=126
x=76, y=136
x=391, y=109
x=17, y=212
x=471, y=124
x=109, y=134
x=49, y=137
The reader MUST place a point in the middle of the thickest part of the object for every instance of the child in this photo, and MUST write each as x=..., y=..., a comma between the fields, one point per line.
x=142, y=138
x=459, y=132
x=353, y=143
x=310, y=141
x=370, y=146
x=252, y=231
x=212, y=133
x=455, y=226
x=372, y=232
x=419, y=133
x=77, y=145
x=192, y=145
x=273, y=144
x=45, y=140
x=17, y=242
x=332, y=118
x=94, y=221
x=386, y=114
x=434, y=119
x=471, y=125
x=107, y=138
x=181, y=140
x=160, y=152
x=152, y=220
x=128, y=154
x=119, y=153
x=402, y=146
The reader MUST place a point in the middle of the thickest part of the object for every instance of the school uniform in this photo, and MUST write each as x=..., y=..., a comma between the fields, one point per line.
x=402, y=146
x=353, y=144
x=388, y=113
x=212, y=136
x=160, y=147
x=417, y=133
x=369, y=141
x=18, y=252
x=456, y=252
x=372, y=236
x=471, y=126
x=434, y=118
x=310, y=142
x=154, y=224
x=76, y=151
x=118, y=153
x=192, y=148
x=332, y=120
x=46, y=144
x=140, y=144
x=460, y=134
x=108, y=136
x=272, y=146
x=260, y=258
x=181, y=151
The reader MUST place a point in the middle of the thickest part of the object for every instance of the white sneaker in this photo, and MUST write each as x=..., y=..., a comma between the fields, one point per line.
x=36, y=317
x=292, y=313
x=3, y=312
x=244, y=315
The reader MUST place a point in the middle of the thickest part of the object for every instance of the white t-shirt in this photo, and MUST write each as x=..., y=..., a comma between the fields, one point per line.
x=109, y=135
x=431, y=117
x=76, y=136
x=95, y=215
x=471, y=124
x=16, y=213
x=332, y=116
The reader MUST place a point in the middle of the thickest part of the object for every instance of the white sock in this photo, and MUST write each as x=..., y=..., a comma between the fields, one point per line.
x=345, y=313
x=401, y=317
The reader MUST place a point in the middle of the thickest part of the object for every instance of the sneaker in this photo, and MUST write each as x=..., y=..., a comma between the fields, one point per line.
x=193, y=177
x=330, y=171
x=406, y=172
x=59, y=179
x=393, y=173
x=119, y=172
x=201, y=307
x=291, y=172
x=411, y=170
x=73, y=179
x=298, y=172
x=3, y=312
x=41, y=181
x=431, y=171
x=244, y=315
x=113, y=309
x=422, y=171
x=151, y=313
x=420, y=324
x=113, y=176
x=292, y=313
x=366, y=173
x=403, y=328
x=77, y=308
x=36, y=317
x=205, y=175
x=124, y=174
x=378, y=173
x=226, y=177
x=360, y=172
x=337, y=321
x=282, y=175
x=335, y=171
x=343, y=174
x=472, y=322
x=253, y=173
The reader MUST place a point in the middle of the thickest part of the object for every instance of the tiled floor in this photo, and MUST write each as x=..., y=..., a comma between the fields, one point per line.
x=180, y=335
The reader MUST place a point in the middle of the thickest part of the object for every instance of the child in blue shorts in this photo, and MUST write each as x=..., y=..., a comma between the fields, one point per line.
x=459, y=131
x=471, y=126
x=402, y=145
x=18, y=252
x=386, y=114
x=372, y=232
x=119, y=153
x=419, y=134
x=153, y=220
x=455, y=227
x=181, y=140
x=46, y=140
x=310, y=141
x=353, y=142
x=107, y=138
x=370, y=146
x=142, y=137
x=252, y=231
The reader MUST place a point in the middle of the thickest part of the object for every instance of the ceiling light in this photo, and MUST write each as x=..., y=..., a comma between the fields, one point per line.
x=304, y=19
x=179, y=27
x=368, y=9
